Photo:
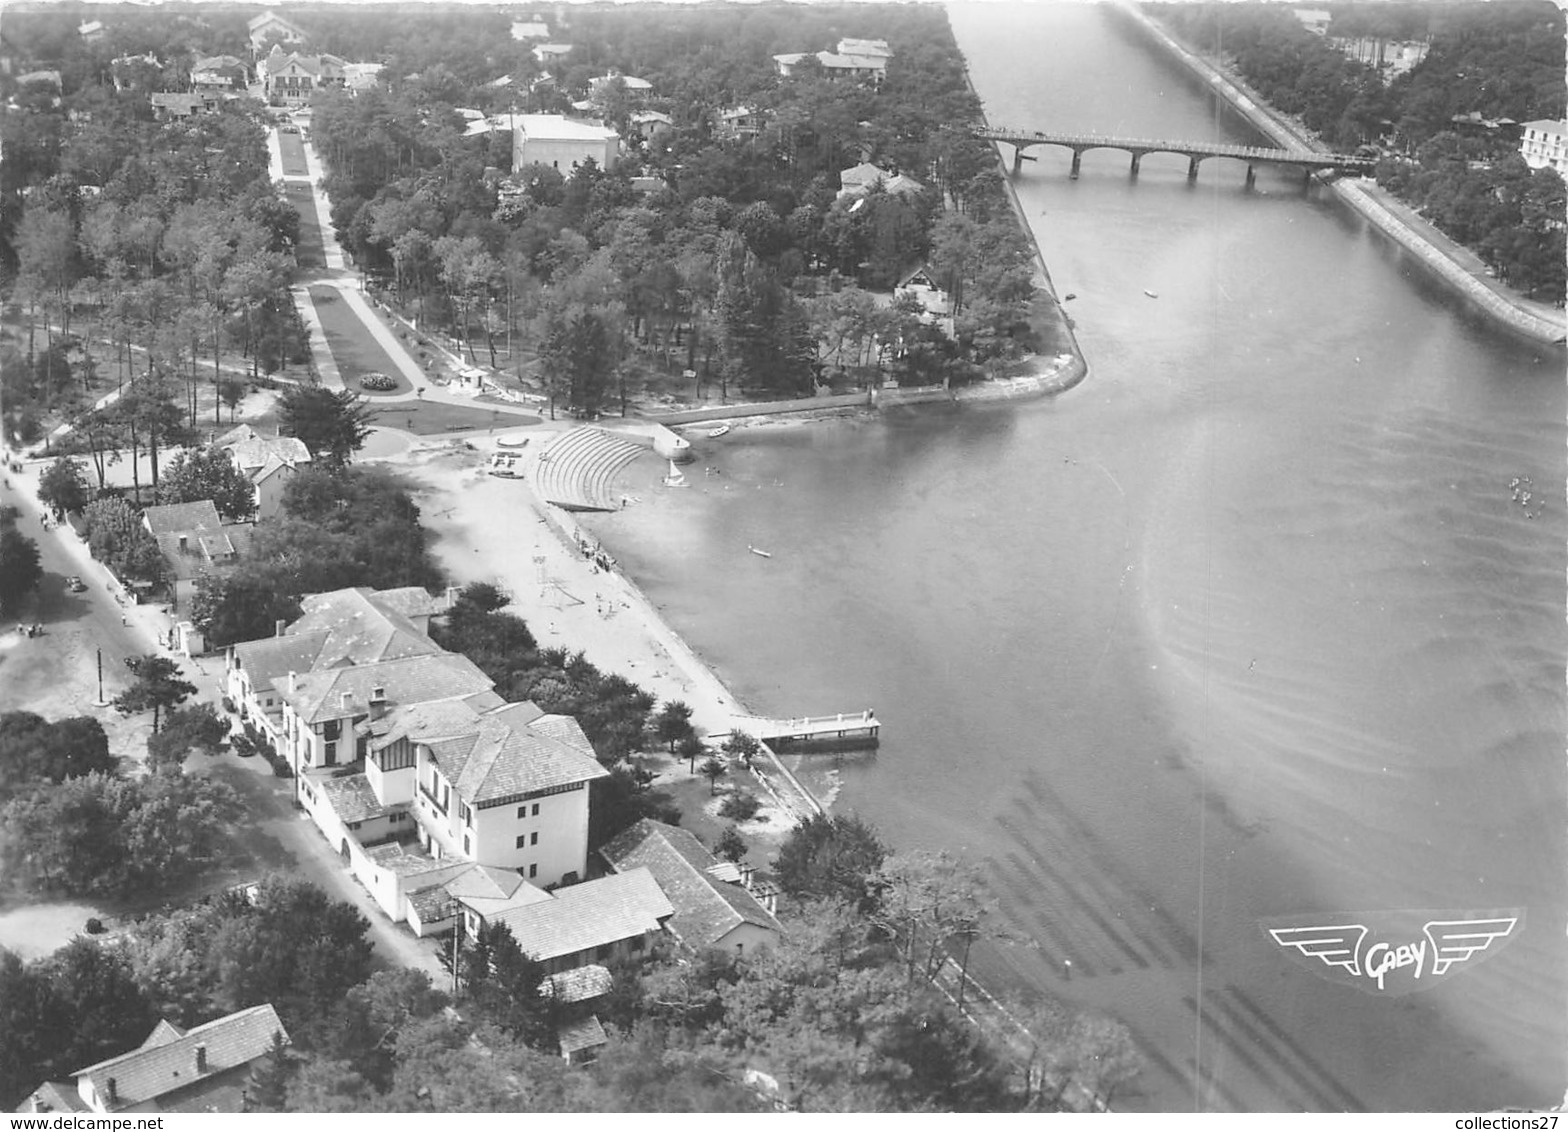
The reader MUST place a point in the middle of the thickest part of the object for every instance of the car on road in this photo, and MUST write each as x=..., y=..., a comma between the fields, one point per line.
x=75, y=584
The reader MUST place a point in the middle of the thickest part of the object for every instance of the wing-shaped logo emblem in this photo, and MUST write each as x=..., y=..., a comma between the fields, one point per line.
x=1454, y=941
x=1338, y=945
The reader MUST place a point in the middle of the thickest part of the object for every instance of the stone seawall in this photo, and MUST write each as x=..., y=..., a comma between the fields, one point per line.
x=1434, y=250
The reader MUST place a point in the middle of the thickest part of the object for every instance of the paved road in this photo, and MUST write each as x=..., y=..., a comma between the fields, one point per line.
x=80, y=623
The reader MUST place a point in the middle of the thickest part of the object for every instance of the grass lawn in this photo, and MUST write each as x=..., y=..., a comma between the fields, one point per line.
x=309, y=252
x=427, y=418
x=352, y=346
x=292, y=150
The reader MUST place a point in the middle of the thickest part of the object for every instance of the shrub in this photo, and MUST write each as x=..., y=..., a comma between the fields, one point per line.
x=94, y=926
x=378, y=382
x=228, y=705
x=740, y=806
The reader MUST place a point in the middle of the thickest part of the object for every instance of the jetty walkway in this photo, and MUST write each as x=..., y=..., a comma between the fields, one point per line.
x=861, y=729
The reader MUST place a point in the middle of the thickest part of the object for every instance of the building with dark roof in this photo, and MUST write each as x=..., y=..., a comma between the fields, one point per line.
x=203, y=1069
x=709, y=911
x=194, y=542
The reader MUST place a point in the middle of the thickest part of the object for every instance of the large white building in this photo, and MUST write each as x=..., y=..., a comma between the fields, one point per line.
x=1544, y=144
x=561, y=143
x=408, y=761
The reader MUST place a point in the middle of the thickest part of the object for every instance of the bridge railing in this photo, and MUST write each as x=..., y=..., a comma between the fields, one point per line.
x=1207, y=149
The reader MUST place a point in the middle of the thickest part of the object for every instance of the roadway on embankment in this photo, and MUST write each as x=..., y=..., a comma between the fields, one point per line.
x=1455, y=265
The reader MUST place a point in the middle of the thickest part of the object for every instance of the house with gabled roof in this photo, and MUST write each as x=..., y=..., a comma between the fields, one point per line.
x=203, y=1069
x=856, y=59
x=503, y=785
x=613, y=917
x=291, y=79
x=713, y=906
x=343, y=627
x=741, y=121
x=218, y=73
x=269, y=462
x=861, y=179
x=270, y=25
x=195, y=542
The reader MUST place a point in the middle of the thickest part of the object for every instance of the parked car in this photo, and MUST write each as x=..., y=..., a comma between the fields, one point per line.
x=75, y=584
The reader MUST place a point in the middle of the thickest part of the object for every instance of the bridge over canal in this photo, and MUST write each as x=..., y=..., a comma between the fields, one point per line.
x=1309, y=161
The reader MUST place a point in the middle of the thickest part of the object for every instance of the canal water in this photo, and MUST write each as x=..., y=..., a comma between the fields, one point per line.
x=1254, y=623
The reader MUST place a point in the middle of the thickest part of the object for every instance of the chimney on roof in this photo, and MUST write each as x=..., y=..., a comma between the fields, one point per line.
x=183, y=543
x=345, y=700
x=201, y=1059
x=378, y=702
x=278, y=627
x=114, y=1093
x=293, y=681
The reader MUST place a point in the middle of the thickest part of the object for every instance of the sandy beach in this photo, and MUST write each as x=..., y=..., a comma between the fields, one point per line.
x=492, y=529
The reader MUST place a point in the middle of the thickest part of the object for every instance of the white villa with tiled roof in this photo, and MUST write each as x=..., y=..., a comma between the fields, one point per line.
x=452, y=806
x=344, y=627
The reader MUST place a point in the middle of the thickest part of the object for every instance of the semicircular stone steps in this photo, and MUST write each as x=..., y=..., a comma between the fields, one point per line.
x=576, y=471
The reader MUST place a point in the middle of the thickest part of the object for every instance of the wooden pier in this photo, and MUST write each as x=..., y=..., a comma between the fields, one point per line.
x=844, y=730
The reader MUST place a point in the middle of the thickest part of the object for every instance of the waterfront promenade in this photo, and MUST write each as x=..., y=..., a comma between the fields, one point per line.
x=1458, y=267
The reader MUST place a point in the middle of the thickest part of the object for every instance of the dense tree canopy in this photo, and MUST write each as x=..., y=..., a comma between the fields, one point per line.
x=1485, y=62
x=98, y=834
x=32, y=750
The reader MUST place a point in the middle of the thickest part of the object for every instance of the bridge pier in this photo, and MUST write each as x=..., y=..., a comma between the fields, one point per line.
x=1136, y=158
x=1252, y=175
x=1077, y=163
x=1192, y=168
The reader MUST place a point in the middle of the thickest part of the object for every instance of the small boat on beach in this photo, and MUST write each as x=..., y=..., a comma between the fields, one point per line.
x=717, y=432
x=759, y=553
x=676, y=477
x=1151, y=294
x=1069, y=297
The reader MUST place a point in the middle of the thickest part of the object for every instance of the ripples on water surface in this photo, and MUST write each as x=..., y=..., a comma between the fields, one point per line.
x=1247, y=625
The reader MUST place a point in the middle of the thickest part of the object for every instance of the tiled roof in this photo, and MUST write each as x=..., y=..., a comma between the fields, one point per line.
x=410, y=601
x=180, y=103
x=253, y=453
x=182, y=518
x=320, y=695
x=203, y=550
x=271, y=657
x=706, y=909
x=578, y=985
x=353, y=800
x=876, y=47
x=213, y=63
x=485, y=882
x=362, y=629
x=512, y=749
x=148, y=1073
x=589, y=915
x=490, y=892
x=509, y=760
x=162, y=1034
x=575, y=1036
x=404, y=861
x=433, y=903
x=53, y=1096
